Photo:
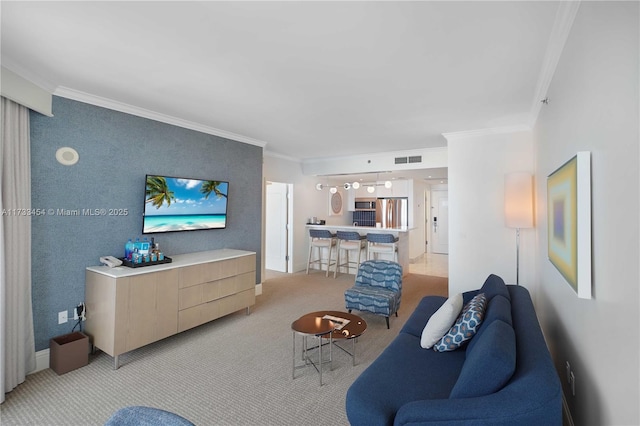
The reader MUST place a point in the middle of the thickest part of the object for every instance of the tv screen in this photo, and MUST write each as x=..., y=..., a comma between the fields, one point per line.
x=179, y=204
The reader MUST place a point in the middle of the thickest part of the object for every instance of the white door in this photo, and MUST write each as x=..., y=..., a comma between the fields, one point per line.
x=276, y=227
x=440, y=221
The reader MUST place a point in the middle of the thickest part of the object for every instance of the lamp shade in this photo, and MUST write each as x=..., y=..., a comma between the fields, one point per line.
x=518, y=200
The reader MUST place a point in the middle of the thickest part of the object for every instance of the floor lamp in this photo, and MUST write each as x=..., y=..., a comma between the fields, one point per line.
x=518, y=207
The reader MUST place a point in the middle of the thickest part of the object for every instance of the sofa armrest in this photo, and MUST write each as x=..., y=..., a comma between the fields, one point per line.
x=490, y=410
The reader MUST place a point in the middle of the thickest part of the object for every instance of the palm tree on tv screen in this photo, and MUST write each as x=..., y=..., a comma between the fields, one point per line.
x=210, y=186
x=158, y=191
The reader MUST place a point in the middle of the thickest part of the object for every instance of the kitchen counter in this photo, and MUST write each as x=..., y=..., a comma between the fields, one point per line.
x=360, y=229
x=401, y=233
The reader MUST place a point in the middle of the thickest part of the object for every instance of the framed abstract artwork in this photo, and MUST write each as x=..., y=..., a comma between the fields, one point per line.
x=569, y=222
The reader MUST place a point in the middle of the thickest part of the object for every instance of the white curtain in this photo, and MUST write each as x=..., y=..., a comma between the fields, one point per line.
x=17, y=346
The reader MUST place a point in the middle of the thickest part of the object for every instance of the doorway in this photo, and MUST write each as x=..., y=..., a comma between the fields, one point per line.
x=277, y=224
x=440, y=221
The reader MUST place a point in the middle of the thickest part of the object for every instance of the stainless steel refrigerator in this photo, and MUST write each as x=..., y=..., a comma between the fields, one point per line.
x=392, y=212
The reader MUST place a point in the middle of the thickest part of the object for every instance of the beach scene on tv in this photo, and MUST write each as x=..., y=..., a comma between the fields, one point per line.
x=177, y=204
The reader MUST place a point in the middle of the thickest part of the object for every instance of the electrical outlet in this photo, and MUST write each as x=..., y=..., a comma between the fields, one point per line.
x=63, y=317
x=75, y=314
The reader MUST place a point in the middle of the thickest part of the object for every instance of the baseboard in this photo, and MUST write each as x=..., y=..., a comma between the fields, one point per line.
x=42, y=361
x=258, y=289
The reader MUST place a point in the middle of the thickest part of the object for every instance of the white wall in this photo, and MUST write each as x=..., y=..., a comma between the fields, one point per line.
x=417, y=234
x=479, y=242
x=594, y=107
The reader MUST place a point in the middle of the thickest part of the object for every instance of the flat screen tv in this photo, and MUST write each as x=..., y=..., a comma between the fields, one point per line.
x=179, y=204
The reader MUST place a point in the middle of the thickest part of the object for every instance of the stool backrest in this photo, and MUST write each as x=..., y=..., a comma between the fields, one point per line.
x=381, y=238
x=320, y=233
x=349, y=236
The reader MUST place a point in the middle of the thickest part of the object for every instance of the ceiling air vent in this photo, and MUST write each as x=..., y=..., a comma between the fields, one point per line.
x=415, y=159
x=401, y=160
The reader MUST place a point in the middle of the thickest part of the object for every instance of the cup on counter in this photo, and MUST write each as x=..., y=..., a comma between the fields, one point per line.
x=378, y=225
x=314, y=220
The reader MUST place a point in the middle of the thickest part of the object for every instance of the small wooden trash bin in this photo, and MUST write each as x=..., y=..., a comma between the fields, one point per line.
x=68, y=352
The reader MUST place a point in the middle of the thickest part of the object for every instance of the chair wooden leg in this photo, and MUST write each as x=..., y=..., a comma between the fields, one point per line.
x=387, y=318
x=349, y=310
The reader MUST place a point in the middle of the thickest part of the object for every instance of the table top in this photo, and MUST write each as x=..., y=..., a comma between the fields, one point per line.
x=178, y=261
x=313, y=323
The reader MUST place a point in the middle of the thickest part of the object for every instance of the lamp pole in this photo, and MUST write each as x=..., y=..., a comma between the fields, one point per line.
x=518, y=256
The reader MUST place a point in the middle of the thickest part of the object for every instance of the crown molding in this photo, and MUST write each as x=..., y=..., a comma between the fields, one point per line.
x=22, y=72
x=272, y=154
x=486, y=132
x=87, y=98
x=565, y=16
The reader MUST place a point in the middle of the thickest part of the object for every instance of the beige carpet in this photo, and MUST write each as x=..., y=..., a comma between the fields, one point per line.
x=232, y=371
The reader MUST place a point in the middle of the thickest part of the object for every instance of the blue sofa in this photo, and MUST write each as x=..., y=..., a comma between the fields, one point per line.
x=502, y=376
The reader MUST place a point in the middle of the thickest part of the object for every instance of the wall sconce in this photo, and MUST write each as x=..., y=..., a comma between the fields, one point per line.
x=518, y=207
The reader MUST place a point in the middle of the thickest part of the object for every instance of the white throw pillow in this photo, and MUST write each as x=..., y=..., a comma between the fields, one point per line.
x=441, y=321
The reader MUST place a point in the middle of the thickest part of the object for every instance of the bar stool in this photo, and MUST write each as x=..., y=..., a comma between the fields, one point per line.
x=382, y=243
x=321, y=239
x=348, y=241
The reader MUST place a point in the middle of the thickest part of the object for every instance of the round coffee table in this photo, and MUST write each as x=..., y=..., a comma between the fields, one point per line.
x=331, y=325
x=316, y=326
x=353, y=329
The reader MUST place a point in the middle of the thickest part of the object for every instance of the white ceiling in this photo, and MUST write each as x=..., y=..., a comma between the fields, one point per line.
x=308, y=79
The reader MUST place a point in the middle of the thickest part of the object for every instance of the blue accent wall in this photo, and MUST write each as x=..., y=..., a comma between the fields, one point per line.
x=116, y=151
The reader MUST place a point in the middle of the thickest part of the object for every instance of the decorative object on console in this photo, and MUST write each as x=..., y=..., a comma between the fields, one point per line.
x=178, y=204
x=569, y=222
x=518, y=207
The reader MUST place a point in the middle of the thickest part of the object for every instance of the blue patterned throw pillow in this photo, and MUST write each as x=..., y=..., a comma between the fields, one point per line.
x=465, y=326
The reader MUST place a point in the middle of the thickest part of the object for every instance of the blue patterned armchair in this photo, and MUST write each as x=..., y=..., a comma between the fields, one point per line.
x=378, y=288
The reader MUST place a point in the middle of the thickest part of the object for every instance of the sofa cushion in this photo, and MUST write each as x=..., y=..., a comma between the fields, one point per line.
x=419, y=317
x=403, y=372
x=490, y=366
x=465, y=326
x=441, y=321
x=494, y=285
x=497, y=308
